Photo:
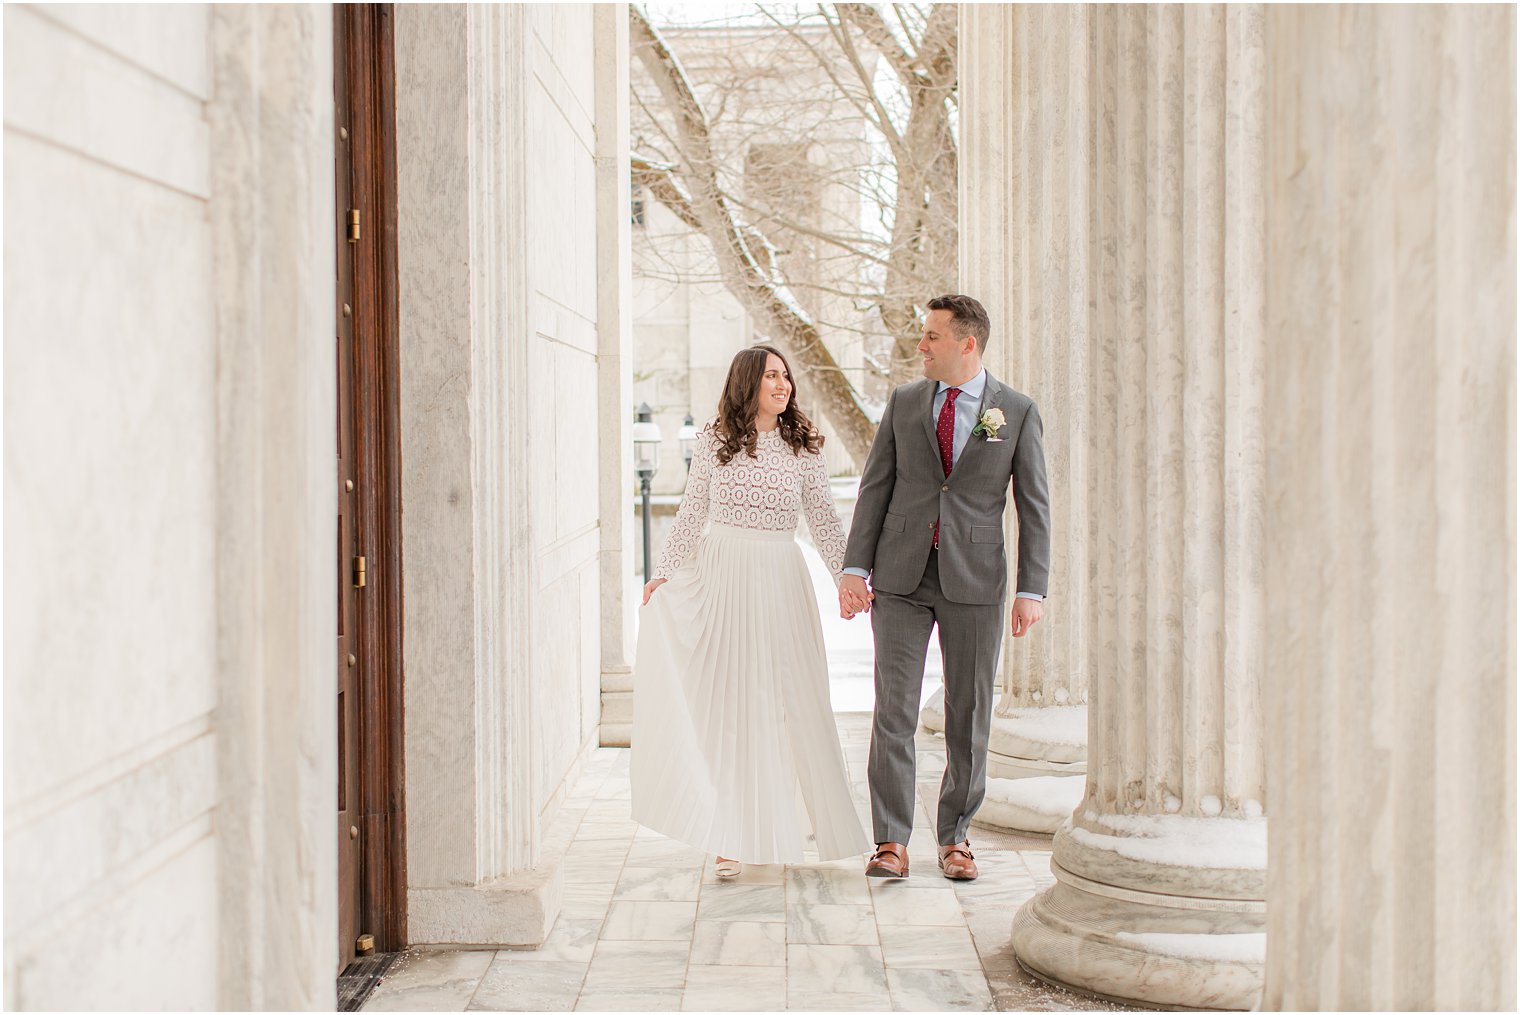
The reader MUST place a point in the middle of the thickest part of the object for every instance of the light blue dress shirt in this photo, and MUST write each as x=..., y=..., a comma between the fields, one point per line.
x=968, y=409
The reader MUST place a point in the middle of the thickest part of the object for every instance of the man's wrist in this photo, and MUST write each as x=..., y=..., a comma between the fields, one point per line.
x=858, y=572
x=1030, y=595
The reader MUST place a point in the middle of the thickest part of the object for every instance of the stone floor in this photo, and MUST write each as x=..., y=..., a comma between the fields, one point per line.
x=646, y=925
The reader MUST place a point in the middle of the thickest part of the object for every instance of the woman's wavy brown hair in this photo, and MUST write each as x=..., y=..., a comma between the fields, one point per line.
x=734, y=429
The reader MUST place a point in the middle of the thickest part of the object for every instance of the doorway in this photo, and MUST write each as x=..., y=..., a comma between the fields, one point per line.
x=371, y=824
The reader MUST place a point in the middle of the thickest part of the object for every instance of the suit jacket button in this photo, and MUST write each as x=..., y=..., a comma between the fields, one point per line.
x=945, y=488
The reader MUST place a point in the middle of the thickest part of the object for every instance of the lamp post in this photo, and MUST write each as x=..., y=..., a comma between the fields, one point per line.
x=646, y=458
x=688, y=440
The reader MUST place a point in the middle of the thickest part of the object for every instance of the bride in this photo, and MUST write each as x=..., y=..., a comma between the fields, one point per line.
x=731, y=718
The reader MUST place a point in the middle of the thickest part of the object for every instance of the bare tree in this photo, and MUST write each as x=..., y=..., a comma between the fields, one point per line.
x=746, y=186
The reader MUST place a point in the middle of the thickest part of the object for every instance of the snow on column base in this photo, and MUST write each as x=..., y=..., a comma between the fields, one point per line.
x=1167, y=913
x=1037, y=804
x=932, y=715
x=1182, y=959
x=1028, y=742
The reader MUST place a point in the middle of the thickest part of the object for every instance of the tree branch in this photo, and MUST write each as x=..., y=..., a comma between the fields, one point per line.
x=752, y=281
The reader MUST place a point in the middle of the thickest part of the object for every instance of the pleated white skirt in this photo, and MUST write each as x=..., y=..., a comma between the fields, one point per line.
x=734, y=748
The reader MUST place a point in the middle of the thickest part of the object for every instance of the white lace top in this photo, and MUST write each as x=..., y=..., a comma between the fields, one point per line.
x=764, y=492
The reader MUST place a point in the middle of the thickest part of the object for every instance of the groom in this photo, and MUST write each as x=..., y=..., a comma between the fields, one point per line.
x=928, y=532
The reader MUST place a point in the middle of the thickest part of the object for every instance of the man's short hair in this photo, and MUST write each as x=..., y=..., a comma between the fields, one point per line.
x=969, y=315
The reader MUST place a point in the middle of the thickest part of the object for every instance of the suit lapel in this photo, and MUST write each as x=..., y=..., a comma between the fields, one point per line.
x=991, y=398
x=924, y=405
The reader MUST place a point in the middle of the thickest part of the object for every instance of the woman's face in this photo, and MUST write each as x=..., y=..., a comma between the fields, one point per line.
x=775, y=387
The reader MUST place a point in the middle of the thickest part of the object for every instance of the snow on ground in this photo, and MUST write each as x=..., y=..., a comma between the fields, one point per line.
x=1180, y=841
x=1218, y=947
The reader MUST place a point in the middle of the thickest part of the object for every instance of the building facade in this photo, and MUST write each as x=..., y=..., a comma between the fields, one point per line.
x=183, y=186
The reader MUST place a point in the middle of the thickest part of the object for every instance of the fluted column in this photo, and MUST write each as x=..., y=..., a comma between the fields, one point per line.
x=1161, y=871
x=1391, y=451
x=1028, y=253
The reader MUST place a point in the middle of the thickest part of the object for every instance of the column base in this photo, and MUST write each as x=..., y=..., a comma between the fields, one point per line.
x=616, y=726
x=1051, y=740
x=1155, y=934
x=1040, y=804
x=511, y=912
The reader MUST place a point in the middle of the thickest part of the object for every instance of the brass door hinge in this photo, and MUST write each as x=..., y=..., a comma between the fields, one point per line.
x=353, y=225
x=359, y=572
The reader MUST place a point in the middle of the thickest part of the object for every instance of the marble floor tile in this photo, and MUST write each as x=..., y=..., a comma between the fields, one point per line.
x=907, y=947
x=649, y=921
x=938, y=990
x=738, y=943
x=734, y=988
x=835, y=969
x=623, y=967
x=899, y=902
x=828, y=887
x=585, y=901
x=644, y=1000
x=663, y=852
x=529, y=986
x=810, y=923
x=802, y=1000
x=750, y=874
x=669, y=884
x=430, y=981
x=570, y=940
x=604, y=850
x=1018, y=991
x=646, y=925
x=751, y=903
x=601, y=873
x=606, y=830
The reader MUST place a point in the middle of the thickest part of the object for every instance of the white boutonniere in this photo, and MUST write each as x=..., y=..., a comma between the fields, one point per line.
x=991, y=422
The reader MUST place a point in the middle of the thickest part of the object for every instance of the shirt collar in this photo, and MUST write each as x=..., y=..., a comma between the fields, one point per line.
x=972, y=388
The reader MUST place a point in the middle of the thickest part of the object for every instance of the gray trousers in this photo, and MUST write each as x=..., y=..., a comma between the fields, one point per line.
x=969, y=637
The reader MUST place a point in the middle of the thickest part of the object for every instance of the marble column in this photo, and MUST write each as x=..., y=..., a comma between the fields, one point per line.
x=1160, y=891
x=619, y=590
x=1028, y=253
x=1390, y=421
x=474, y=860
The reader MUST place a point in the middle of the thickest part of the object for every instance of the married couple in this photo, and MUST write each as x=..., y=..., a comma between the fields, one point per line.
x=734, y=745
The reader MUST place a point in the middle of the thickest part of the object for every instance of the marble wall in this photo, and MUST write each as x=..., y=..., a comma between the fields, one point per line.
x=167, y=463
x=1390, y=401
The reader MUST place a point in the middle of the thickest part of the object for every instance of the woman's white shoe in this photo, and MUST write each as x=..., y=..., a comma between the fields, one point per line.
x=727, y=868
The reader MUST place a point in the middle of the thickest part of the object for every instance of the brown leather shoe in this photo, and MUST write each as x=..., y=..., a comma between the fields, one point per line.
x=889, y=861
x=957, y=862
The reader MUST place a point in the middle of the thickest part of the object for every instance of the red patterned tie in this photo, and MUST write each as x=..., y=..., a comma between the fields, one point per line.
x=945, y=430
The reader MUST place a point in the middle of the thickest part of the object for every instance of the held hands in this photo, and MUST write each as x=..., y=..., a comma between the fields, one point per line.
x=854, y=597
x=1026, y=613
x=649, y=589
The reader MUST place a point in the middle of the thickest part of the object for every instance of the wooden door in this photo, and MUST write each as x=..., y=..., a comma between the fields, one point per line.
x=348, y=543
x=371, y=803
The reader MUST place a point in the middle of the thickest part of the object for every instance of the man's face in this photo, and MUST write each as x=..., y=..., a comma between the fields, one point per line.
x=944, y=352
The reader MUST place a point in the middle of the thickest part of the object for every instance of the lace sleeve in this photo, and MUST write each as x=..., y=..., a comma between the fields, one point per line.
x=822, y=518
x=692, y=516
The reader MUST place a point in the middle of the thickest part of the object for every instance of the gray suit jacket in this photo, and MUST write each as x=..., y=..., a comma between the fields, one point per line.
x=904, y=489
